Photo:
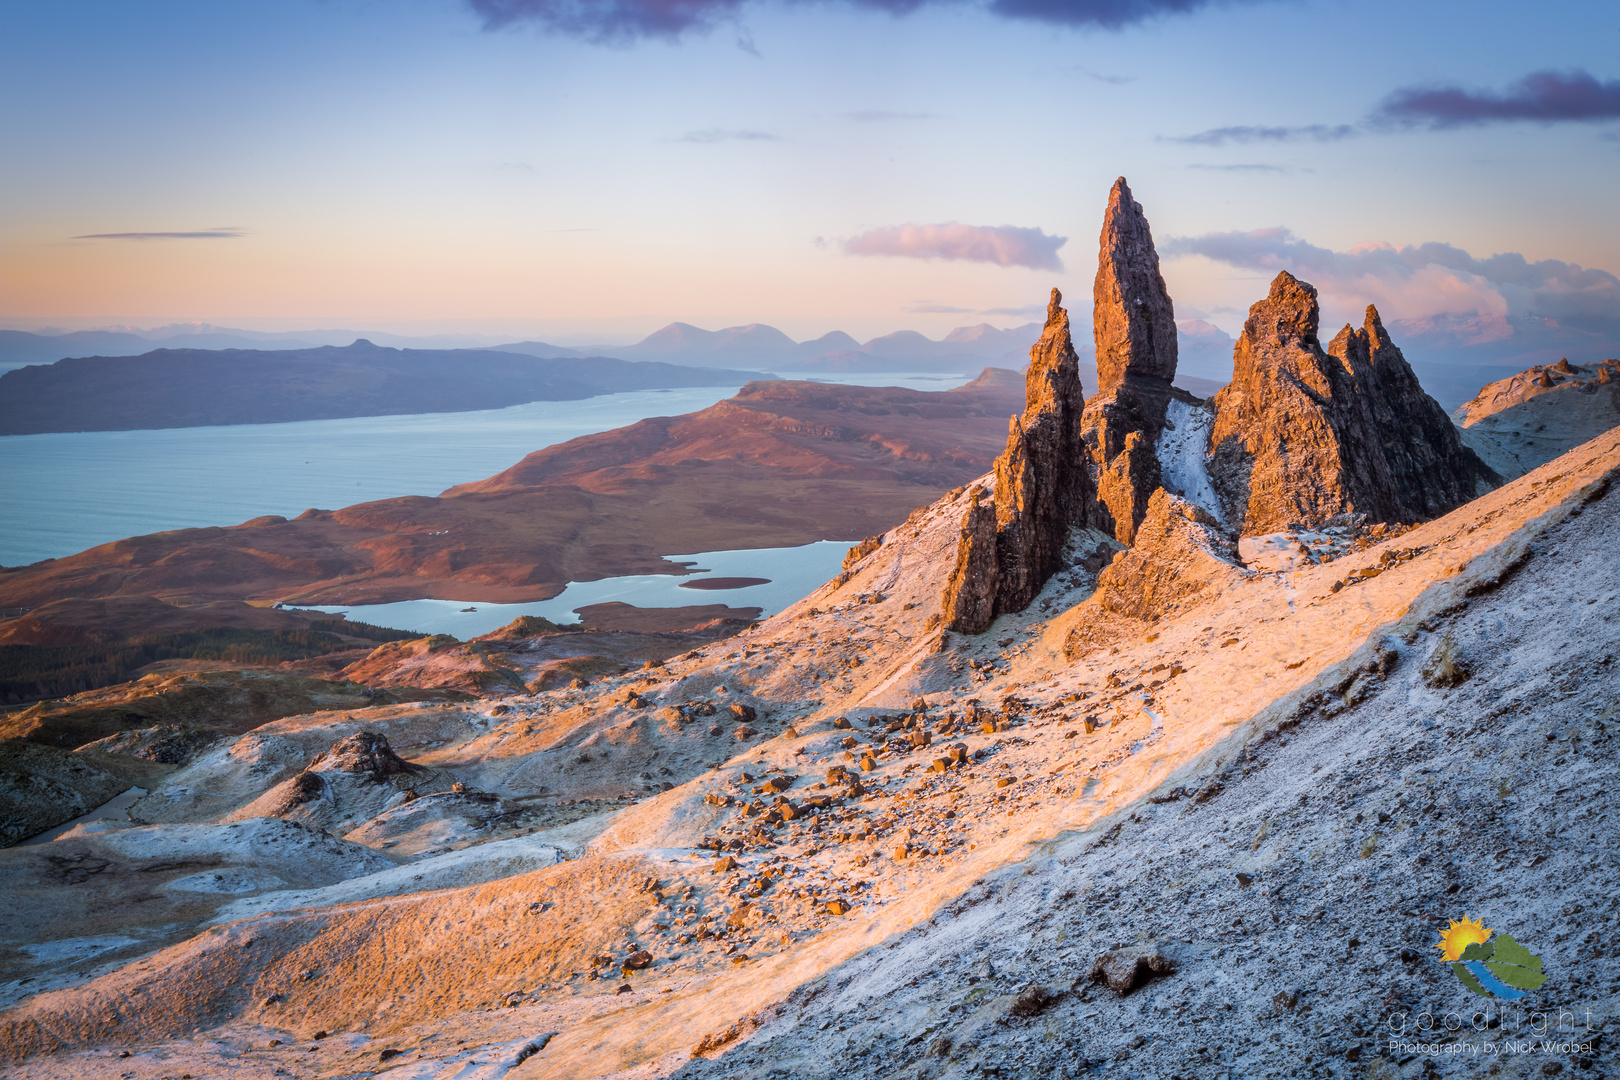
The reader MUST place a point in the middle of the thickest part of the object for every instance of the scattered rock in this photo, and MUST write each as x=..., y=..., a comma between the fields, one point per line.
x=1032, y=1001
x=1123, y=970
x=1446, y=666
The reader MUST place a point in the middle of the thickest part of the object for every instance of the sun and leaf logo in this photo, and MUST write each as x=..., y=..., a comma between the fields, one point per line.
x=1501, y=969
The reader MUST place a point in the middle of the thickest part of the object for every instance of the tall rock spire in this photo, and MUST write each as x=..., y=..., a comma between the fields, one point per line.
x=1009, y=547
x=1302, y=434
x=1133, y=321
x=1134, y=325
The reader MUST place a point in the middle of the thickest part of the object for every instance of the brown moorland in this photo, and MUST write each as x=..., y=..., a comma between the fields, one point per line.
x=779, y=464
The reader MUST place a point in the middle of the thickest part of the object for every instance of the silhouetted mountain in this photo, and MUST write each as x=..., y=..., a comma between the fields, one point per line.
x=168, y=388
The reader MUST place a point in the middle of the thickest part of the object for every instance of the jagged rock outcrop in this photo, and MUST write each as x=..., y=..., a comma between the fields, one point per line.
x=1302, y=435
x=1009, y=547
x=1180, y=557
x=1134, y=325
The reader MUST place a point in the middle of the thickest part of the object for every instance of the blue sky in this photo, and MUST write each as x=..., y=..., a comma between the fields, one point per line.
x=404, y=165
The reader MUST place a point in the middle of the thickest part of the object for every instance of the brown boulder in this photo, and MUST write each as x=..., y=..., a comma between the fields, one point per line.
x=1123, y=970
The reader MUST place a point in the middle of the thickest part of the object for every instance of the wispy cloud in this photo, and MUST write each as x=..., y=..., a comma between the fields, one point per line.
x=624, y=21
x=1252, y=133
x=924, y=308
x=1112, y=80
x=718, y=135
x=883, y=116
x=1254, y=167
x=200, y=234
x=1025, y=310
x=1422, y=281
x=1545, y=96
x=1004, y=245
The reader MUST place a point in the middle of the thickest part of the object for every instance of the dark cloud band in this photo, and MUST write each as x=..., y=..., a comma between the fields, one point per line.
x=622, y=21
x=203, y=234
x=1545, y=96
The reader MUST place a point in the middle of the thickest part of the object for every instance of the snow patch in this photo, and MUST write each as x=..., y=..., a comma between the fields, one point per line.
x=1183, y=446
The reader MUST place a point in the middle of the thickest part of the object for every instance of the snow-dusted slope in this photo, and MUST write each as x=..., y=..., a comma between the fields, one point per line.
x=1069, y=719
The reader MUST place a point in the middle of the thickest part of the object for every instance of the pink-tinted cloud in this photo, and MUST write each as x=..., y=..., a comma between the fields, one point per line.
x=1545, y=96
x=1004, y=245
x=1422, y=282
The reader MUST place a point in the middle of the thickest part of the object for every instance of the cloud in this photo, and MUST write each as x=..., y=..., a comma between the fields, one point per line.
x=880, y=116
x=1421, y=282
x=1545, y=96
x=1025, y=311
x=1249, y=133
x=716, y=135
x=1004, y=245
x=925, y=308
x=200, y=234
x=624, y=21
x=1243, y=168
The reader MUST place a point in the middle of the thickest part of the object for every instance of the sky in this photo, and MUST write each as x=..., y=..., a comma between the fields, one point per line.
x=576, y=170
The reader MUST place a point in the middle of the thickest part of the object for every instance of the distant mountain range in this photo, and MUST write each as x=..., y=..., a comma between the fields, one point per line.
x=1452, y=356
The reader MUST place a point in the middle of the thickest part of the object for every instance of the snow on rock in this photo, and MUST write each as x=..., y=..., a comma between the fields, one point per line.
x=1183, y=449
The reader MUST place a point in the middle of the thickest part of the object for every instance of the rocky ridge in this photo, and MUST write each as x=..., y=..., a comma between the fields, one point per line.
x=1042, y=487
x=1302, y=435
x=1526, y=420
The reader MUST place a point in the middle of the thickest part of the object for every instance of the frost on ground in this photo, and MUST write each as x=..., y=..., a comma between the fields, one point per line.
x=1183, y=449
x=886, y=850
x=1299, y=889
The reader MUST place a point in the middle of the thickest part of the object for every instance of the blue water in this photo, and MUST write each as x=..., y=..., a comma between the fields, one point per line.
x=62, y=493
x=794, y=573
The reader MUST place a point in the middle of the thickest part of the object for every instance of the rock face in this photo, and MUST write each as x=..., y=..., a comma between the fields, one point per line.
x=1009, y=547
x=1180, y=558
x=1134, y=325
x=1302, y=435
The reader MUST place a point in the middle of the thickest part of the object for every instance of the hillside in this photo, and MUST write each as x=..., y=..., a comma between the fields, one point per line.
x=1520, y=422
x=779, y=464
x=169, y=388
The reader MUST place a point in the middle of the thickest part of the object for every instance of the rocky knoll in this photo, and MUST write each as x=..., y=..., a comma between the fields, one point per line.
x=1526, y=420
x=1302, y=435
x=155, y=706
x=1134, y=324
x=1011, y=545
